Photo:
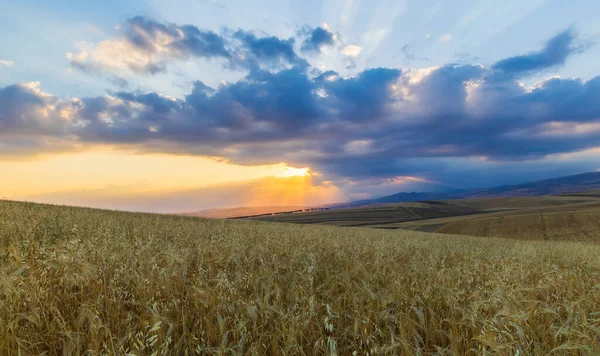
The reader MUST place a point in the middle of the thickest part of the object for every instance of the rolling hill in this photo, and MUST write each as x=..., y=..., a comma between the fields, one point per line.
x=78, y=281
x=540, y=218
x=376, y=215
x=564, y=217
x=554, y=186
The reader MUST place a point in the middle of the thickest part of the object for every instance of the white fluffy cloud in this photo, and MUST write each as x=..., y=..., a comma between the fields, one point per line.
x=351, y=51
x=145, y=45
x=6, y=63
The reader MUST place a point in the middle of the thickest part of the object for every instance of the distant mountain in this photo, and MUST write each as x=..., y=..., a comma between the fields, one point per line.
x=554, y=186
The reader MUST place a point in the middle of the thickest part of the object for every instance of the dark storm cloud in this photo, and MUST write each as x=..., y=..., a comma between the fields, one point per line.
x=263, y=107
x=364, y=97
x=152, y=101
x=381, y=123
x=554, y=53
x=317, y=39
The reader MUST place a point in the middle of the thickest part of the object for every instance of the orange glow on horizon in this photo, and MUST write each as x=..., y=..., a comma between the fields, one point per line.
x=111, y=175
x=298, y=189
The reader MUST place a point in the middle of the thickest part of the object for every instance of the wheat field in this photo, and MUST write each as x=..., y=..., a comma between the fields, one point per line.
x=546, y=218
x=81, y=281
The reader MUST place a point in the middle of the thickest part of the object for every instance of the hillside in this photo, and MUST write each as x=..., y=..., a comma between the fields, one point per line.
x=375, y=215
x=555, y=186
x=84, y=281
x=589, y=193
x=532, y=219
x=567, y=217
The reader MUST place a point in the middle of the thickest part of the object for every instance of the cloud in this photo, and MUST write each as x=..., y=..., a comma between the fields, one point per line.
x=319, y=38
x=409, y=56
x=27, y=110
x=562, y=129
x=146, y=46
x=256, y=51
x=352, y=51
x=452, y=121
x=6, y=63
x=120, y=82
x=364, y=97
x=32, y=121
x=555, y=53
x=466, y=57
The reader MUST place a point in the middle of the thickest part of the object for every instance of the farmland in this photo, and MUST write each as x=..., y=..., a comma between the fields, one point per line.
x=573, y=217
x=376, y=215
x=547, y=218
x=83, y=281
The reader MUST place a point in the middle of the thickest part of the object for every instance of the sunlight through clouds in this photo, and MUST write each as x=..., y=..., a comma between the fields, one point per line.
x=351, y=51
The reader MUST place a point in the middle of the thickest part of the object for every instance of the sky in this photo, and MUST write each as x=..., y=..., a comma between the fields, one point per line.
x=197, y=104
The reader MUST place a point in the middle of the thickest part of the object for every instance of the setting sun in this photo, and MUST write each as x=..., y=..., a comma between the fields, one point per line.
x=295, y=172
x=112, y=178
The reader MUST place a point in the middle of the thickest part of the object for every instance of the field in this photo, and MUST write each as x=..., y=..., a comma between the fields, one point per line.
x=377, y=214
x=589, y=193
x=545, y=218
x=83, y=281
x=575, y=217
